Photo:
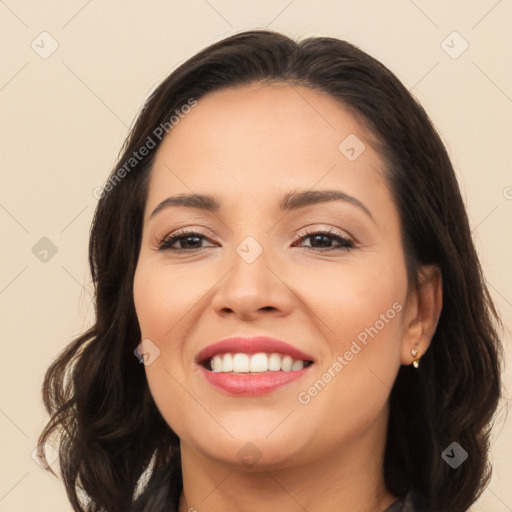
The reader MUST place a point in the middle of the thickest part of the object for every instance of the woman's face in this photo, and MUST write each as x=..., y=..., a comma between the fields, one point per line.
x=257, y=266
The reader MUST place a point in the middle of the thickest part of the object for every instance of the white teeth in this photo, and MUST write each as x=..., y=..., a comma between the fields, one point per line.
x=255, y=363
x=217, y=364
x=259, y=363
x=240, y=363
x=298, y=364
x=286, y=364
x=227, y=363
x=274, y=362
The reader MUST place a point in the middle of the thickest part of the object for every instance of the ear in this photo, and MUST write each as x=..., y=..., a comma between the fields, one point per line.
x=422, y=311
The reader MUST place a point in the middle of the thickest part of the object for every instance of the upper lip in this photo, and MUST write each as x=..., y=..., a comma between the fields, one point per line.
x=251, y=346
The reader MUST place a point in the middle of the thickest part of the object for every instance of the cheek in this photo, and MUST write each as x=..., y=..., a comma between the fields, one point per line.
x=161, y=300
x=361, y=310
x=162, y=297
x=161, y=303
x=351, y=298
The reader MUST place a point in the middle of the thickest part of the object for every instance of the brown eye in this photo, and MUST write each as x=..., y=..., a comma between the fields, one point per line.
x=188, y=241
x=323, y=240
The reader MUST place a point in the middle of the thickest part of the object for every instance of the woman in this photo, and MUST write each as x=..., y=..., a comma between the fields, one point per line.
x=282, y=240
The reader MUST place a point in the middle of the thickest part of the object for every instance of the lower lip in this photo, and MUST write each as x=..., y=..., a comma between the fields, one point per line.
x=252, y=384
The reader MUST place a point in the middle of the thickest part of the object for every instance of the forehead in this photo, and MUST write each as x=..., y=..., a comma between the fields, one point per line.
x=258, y=137
x=279, y=116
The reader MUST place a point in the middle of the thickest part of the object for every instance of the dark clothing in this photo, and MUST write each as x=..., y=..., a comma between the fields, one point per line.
x=411, y=502
x=166, y=498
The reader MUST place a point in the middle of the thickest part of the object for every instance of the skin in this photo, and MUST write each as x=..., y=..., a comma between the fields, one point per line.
x=249, y=147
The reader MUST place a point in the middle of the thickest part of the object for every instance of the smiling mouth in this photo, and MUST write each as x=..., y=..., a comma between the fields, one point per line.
x=260, y=362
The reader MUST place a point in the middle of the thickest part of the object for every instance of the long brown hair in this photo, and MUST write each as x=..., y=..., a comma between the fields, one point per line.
x=96, y=393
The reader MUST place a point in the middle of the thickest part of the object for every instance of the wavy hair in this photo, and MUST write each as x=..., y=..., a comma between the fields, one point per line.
x=117, y=453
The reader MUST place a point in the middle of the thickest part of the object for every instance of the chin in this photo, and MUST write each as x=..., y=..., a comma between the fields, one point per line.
x=255, y=455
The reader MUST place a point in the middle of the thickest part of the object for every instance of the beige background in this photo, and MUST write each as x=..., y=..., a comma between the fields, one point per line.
x=65, y=117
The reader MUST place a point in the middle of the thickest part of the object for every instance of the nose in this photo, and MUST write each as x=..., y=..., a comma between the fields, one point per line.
x=251, y=290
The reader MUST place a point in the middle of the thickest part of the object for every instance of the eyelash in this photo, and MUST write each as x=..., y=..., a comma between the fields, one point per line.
x=167, y=243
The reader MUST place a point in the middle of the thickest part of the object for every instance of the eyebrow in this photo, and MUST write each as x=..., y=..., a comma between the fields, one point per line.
x=292, y=201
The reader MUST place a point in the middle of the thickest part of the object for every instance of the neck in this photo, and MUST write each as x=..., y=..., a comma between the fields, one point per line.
x=346, y=480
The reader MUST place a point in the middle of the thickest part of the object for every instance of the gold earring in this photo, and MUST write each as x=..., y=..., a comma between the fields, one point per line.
x=416, y=362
